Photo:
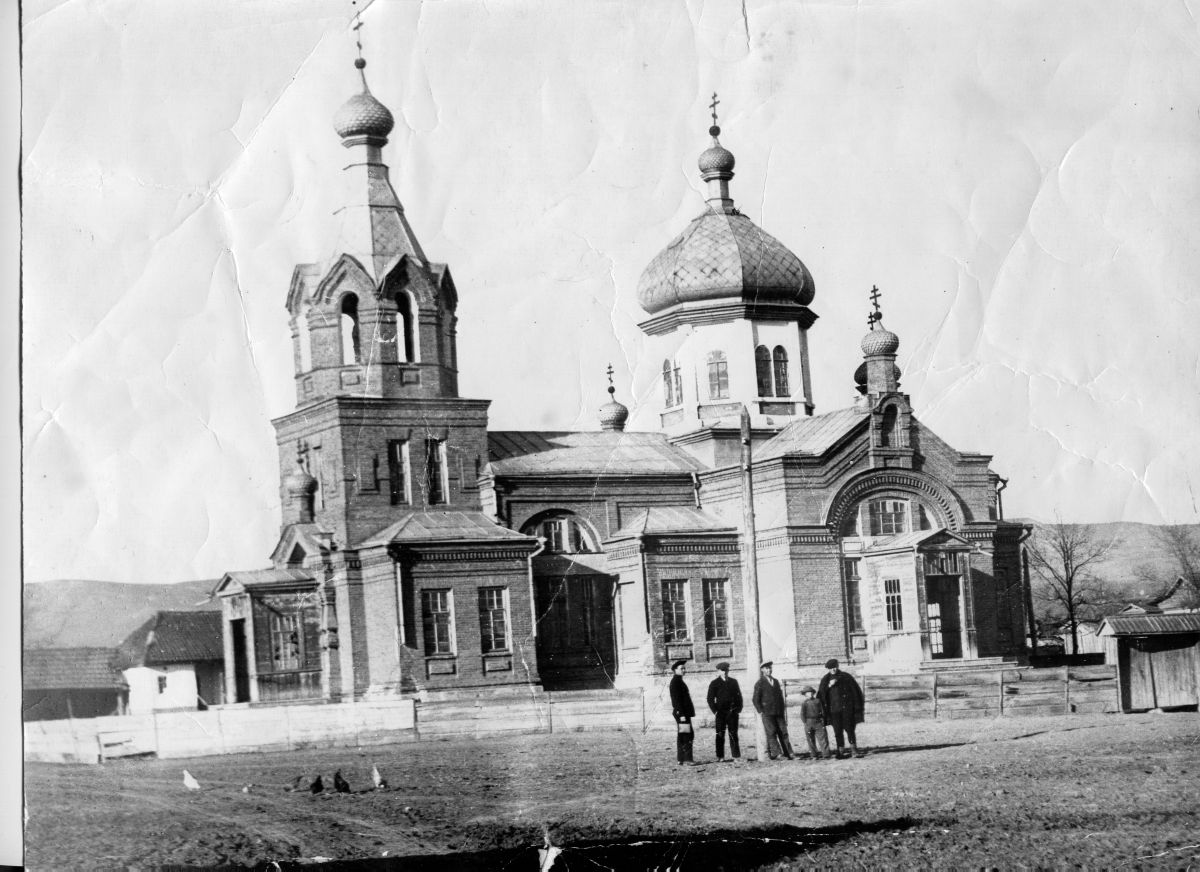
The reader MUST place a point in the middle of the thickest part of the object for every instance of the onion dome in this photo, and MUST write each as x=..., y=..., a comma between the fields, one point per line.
x=299, y=483
x=613, y=414
x=362, y=114
x=880, y=340
x=724, y=256
x=717, y=159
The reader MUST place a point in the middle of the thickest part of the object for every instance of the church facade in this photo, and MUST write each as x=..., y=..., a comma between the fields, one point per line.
x=421, y=552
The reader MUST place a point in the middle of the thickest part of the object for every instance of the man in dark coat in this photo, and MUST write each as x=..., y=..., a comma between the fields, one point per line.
x=842, y=699
x=725, y=701
x=768, y=702
x=683, y=711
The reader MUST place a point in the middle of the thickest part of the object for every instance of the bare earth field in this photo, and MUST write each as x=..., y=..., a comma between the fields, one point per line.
x=1114, y=791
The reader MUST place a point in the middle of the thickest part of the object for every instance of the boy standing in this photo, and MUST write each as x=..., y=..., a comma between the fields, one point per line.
x=813, y=715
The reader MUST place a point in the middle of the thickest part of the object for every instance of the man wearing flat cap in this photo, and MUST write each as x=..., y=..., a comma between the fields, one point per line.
x=842, y=699
x=769, y=703
x=683, y=711
x=725, y=701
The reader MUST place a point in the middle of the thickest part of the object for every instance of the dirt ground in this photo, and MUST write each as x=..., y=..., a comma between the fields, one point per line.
x=1114, y=791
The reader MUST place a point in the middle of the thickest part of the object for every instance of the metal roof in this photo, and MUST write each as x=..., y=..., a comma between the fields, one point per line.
x=70, y=669
x=260, y=577
x=605, y=452
x=813, y=435
x=184, y=637
x=672, y=519
x=1150, y=624
x=445, y=527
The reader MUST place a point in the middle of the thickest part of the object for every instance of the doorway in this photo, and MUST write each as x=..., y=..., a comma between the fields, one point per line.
x=241, y=672
x=576, y=642
x=944, y=612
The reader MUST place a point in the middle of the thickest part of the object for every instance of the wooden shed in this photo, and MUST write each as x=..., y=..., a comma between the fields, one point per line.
x=1157, y=658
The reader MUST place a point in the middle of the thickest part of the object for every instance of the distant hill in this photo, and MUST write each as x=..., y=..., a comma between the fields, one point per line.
x=75, y=613
x=1136, y=550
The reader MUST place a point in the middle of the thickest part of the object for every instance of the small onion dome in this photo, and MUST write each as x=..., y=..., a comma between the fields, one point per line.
x=724, y=256
x=716, y=159
x=299, y=483
x=860, y=374
x=362, y=114
x=613, y=415
x=880, y=341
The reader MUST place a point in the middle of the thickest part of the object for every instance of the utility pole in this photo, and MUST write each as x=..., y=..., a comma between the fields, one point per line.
x=750, y=580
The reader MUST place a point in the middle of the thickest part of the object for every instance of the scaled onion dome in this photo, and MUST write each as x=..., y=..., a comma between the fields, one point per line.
x=723, y=255
x=299, y=483
x=613, y=414
x=362, y=114
x=880, y=340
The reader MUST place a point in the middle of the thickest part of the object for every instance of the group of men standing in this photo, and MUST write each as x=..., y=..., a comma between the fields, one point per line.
x=837, y=702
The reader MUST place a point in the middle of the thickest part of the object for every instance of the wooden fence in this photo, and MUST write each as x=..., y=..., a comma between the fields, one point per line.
x=965, y=694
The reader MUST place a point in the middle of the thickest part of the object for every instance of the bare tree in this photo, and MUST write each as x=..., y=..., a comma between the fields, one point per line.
x=1181, y=545
x=1065, y=557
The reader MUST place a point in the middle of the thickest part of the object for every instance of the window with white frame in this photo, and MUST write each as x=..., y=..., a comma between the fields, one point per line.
x=762, y=370
x=398, y=478
x=716, y=609
x=437, y=616
x=436, y=484
x=674, y=604
x=493, y=619
x=779, y=363
x=563, y=533
x=286, y=641
x=853, y=597
x=672, y=384
x=888, y=517
x=892, y=604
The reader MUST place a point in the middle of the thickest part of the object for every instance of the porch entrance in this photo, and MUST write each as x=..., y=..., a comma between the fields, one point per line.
x=944, y=610
x=576, y=642
x=241, y=674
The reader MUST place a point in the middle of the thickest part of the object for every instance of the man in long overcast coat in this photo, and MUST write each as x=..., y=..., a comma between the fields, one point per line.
x=683, y=711
x=842, y=699
x=725, y=701
x=770, y=705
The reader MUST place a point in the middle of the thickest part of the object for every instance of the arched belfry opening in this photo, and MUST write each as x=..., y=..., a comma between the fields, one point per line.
x=407, y=346
x=351, y=350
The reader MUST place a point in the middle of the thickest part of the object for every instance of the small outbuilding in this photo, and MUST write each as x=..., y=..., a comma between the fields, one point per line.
x=174, y=661
x=61, y=683
x=1157, y=654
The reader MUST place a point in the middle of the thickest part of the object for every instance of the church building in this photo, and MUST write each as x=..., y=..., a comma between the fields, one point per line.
x=420, y=551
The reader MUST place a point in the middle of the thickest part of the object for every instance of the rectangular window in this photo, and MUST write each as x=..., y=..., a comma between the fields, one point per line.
x=397, y=456
x=286, y=644
x=716, y=609
x=889, y=517
x=493, y=619
x=437, y=614
x=435, y=471
x=675, y=622
x=718, y=379
x=891, y=599
x=853, y=598
x=941, y=563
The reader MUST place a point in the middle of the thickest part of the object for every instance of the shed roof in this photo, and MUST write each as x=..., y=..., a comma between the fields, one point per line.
x=70, y=669
x=605, y=452
x=1150, y=624
x=661, y=520
x=812, y=435
x=174, y=637
x=445, y=527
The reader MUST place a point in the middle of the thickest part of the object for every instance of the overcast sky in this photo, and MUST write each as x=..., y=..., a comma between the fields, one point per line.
x=1020, y=179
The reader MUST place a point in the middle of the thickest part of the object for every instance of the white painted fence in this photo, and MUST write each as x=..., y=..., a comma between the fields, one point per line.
x=226, y=730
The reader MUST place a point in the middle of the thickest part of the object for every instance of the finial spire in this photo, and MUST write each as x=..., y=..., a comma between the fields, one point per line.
x=714, y=131
x=611, y=390
x=876, y=315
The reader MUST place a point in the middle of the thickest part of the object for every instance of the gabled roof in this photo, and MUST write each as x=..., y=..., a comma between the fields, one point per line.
x=663, y=520
x=250, y=578
x=445, y=527
x=70, y=669
x=174, y=637
x=1150, y=624
x=604, y=452
x=812, y=435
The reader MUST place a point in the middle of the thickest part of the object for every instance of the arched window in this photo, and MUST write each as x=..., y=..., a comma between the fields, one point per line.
x=718, y=376
x=762, y=368
x=350, y=349
x=781, y=372
x=305, y=340
x=887, y=429
x=407, y=324
x=563, y=532
x=669, y=399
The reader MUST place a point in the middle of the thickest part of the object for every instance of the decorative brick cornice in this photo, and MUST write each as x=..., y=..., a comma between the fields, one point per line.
x=696, y=548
